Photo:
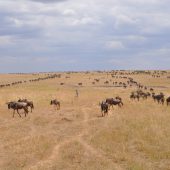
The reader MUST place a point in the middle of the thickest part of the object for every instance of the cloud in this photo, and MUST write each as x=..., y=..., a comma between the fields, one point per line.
x=48, y=1
x=87, y=33
x=5, y=40
x=115, y=45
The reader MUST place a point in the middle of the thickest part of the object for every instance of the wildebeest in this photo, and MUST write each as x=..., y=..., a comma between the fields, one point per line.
x=159, y=98
x=139, y=94
x=18, y=106
x=112, y=101
x=29, y=103
x=168, y=101
x=104, y=108
x=134, y=96
x=56, y=103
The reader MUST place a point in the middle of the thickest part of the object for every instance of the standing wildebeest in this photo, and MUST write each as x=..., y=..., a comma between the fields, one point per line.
x=17, y=106
x=104, y=108
x=112, y=101
x=159, y=98
x=134, y=96
x=56, y=103
x=168, y=101
x=29, y=103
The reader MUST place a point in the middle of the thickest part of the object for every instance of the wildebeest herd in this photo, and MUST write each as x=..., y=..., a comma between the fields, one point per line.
x=31, y=80
x=25, y=104
x=159, y=98
x=143, y=92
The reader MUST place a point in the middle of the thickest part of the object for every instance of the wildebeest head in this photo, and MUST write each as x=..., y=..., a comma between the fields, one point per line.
x=118, y=98
x=10, y=104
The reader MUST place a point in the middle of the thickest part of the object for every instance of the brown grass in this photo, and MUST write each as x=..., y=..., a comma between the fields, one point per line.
x=135, y=137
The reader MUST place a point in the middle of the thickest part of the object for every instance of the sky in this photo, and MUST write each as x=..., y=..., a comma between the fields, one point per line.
x=74, y=35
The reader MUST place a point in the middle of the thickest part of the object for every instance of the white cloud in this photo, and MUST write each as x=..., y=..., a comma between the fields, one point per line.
x=85, y=21
x=89, y=29
x=115, y=45
x=69, y=12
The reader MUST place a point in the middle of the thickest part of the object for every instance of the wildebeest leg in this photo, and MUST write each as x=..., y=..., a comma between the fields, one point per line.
x=18, y=113
x=102, y=112
x=162, y=101
x=158, y=101
x=26, y=111
x=13, y=112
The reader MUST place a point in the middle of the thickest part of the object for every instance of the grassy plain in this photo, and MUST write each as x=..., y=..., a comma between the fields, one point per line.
x=134, y=137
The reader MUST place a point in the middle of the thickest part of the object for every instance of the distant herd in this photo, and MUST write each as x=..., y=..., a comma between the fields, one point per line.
x=31, y=80
x=104, y=105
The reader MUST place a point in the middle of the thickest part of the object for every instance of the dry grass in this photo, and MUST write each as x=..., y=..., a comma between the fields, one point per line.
x=135, y=137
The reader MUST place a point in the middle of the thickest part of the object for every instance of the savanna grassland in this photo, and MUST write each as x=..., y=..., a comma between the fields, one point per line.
x=76, y=137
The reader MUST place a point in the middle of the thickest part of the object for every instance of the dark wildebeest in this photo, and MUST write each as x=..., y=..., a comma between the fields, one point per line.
x=134, y=96
x=145, y=95
x=104, y=108
x=56, y=103
x=18, y=106
x=29, y=103
x=159, y=98
x=112, y=101
x=168, y=101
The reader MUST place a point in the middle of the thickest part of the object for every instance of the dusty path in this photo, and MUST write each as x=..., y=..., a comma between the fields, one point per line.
x=55, y=154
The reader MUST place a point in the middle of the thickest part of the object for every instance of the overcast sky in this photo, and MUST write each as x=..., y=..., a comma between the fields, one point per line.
x=62, y=35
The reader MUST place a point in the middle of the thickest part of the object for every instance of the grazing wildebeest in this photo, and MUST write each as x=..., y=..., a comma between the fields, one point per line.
x=168, y=101
x=56, y=103
x=112, y=101
x=159, y=98
x=104, y=108
x=17, y=106
x=29, y=103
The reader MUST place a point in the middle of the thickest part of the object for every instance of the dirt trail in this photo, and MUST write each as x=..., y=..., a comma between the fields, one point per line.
x=56, y=150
